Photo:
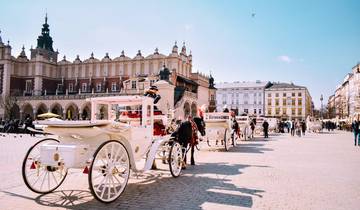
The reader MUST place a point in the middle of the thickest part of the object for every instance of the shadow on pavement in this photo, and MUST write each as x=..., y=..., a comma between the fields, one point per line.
x=189, y=191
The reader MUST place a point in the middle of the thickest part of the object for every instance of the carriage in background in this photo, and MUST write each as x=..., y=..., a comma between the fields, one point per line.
x=244, y=125
x=117, y=139
x=219, y=130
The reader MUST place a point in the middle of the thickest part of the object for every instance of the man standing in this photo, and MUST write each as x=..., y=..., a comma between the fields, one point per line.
x=266, y=129
x=355, y=128
x=292, y=127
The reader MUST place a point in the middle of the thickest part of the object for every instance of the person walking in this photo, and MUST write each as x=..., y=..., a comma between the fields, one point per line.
x=292, y=127
x=266, y=129
x=252, y=126
x=303, y=127
x=355, y=128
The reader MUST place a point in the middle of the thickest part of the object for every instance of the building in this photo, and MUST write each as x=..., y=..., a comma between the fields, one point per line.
x=331, y=107
x=41, y=83
x=347, y=95
x=242, y=97
x=287, y=101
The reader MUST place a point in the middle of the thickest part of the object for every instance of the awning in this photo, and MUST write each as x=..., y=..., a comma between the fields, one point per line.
x=183, y=79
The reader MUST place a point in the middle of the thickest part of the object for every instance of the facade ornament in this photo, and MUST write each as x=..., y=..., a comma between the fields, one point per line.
x=175, y=48
x=122, y=53
x=156, y=51
x=64, y=58
x=107, y=55
x=139, y=53
x=92, y=55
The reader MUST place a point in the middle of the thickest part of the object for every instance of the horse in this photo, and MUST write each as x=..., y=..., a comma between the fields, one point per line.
x=186, y=133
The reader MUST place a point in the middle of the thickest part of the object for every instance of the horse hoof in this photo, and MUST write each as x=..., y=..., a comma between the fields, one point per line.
x=192, y=164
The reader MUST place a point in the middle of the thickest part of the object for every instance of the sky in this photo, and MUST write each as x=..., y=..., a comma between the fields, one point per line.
x=313, y=43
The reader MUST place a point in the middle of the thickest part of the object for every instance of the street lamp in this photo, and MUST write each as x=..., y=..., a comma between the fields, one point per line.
x=321, y=99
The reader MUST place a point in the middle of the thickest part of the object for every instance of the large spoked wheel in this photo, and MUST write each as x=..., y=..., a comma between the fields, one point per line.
x=175, y=159
x=38, y=177
x=109, y=171
x=226, y=137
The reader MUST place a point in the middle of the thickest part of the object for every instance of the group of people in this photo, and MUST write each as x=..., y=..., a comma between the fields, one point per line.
x=17, y=126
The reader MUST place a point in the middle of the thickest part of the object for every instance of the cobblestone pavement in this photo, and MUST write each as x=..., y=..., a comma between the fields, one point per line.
x=318, y=171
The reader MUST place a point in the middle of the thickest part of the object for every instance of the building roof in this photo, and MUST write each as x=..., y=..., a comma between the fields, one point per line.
x=243, y=84
x=283, y=85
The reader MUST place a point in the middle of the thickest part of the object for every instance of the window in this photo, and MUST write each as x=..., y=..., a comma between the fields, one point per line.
x=284, y=94
x=246, y=95
x=83, y=87
x=284, y=102
x=277, y=102
x=254, y=102
x=276, y=94
x=269, y=101
x=246, y=111
x=259, y=102
x=224, y=102
x=98, y=87
x=28, y=86
x=293, y=111
x=299, y=94
x=277, y=111
x=237, y=101
x=300, y=101
x=293, y=94
x=269, y=111
x=259, y=111
x=254, y=94
x=300, y=111
x=113, y=86
x=259, y=94
x=60, y=87
x=245, y=102
x=254, y=111
x=71, y=87
x=284, y=111
x=133, y=84
x=293, y=101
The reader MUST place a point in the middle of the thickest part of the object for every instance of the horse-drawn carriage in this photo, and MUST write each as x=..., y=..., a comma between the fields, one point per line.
x=219, y=130
x=244, y=126
x=119, y=135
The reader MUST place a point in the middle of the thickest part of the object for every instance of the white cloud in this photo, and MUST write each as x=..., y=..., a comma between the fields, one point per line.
x=188, y=27
x=285, y=58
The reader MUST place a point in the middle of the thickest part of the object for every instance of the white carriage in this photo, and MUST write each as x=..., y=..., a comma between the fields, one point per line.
x=106, y=148
x=259, y=125
x=244, y=125
x=218, y=130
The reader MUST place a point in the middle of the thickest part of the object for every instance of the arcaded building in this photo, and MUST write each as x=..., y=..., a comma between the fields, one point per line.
x=41, y=82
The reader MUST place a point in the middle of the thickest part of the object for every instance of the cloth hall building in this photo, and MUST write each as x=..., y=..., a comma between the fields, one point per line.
x=41, y=83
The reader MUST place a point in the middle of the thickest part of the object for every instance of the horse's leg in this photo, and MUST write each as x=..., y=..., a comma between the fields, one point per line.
x=184, y=146
x=192, y=155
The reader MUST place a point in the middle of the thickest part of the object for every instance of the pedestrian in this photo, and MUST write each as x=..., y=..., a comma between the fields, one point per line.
x=266, y=129
x=303, y=127
x=292, y=127
x=252, y=126
x=355, y=128
x=288, y=125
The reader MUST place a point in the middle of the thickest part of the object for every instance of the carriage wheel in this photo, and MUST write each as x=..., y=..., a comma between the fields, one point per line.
x=109, y=171
x=41, y=178
x=226, y=133
x=175, y=159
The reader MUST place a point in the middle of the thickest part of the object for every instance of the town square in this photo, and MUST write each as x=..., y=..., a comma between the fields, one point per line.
x=179, y=105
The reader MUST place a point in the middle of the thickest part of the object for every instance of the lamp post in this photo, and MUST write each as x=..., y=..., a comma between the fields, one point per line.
x=321, y=99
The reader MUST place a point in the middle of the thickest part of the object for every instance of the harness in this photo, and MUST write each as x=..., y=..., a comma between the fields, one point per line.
x=194, y=137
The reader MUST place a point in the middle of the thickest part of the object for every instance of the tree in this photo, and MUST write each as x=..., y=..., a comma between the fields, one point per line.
x=7, y=103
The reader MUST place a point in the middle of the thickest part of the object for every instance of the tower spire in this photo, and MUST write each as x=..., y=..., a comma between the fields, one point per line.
x=46, y=18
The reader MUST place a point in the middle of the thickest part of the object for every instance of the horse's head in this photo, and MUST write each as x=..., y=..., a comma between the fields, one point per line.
x=200, y=123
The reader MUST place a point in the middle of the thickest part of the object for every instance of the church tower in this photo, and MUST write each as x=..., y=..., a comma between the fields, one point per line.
x=45, y=45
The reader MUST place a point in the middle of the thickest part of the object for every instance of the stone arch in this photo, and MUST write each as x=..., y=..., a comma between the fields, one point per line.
x=193, y=109
x=14, y=112
x=56, y=108
x=85, y=111
x=27, y=110
x=41, y=108
x=71, y=111
x=187, y=110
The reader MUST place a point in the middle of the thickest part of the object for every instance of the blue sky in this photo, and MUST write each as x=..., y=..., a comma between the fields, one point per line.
x=311, y=43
